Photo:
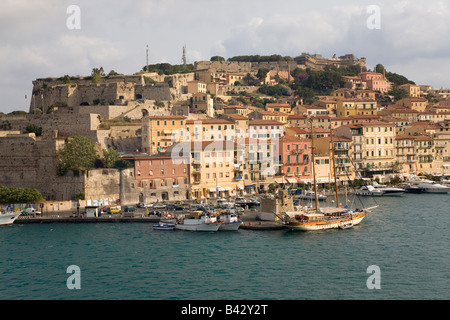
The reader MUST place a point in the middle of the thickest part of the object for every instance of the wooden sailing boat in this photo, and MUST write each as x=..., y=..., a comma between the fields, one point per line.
x=324, y=218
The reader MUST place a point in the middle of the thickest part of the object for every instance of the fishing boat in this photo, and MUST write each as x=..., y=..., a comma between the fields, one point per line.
x=229, y=221
x=198, y=221
x=8, y=218
x=323, y=218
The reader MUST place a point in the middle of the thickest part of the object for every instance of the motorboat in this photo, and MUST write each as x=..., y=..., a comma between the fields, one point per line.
x=198, y=221
x=243, y=202
x=428, y=186
x=310, y=195
x=8, y=218
x=164, y=226
x=379, y=190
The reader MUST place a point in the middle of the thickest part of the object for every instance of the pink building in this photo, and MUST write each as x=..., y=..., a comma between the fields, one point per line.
x=375, y=81
x=295, y=156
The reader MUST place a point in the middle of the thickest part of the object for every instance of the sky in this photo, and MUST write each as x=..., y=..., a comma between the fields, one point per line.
x=46, y=38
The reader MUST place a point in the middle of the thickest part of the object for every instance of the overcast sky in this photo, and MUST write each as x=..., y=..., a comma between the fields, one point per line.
x=35, y=41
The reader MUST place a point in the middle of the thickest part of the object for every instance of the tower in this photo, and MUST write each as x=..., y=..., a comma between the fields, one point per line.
x=184, y=56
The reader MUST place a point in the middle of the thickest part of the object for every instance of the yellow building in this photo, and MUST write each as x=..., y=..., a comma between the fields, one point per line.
x=412, y=89
x=418, y=104
x=268, y=115
x=355, y=106
x=212, y=169
x=279, y=107
x=210, y=129
x=379, y=148
x=160, y=132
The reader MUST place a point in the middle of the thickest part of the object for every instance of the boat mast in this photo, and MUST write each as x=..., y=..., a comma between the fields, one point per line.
x=334, y=168
x=313, y=165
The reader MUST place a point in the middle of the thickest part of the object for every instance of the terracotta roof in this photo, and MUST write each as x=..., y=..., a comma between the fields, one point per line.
x=264, y=122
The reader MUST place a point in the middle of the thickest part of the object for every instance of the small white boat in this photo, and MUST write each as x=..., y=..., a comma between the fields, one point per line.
x=229, y=221
x=199, y=221
x=164, y=226
x=310, y=195
x=8, y=218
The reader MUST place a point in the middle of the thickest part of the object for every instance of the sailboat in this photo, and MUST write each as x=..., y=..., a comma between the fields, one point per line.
x=324, y=218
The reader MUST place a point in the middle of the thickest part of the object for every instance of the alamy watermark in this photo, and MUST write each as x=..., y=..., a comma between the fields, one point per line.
x=73, y=21
x=74, y=280
x=374, y=281
x=374, y=20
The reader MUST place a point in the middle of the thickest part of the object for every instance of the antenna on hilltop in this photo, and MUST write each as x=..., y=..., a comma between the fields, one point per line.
x=146, y=65
x=184, y=56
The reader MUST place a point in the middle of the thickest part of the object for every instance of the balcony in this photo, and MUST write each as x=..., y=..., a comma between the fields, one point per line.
x=299, y=151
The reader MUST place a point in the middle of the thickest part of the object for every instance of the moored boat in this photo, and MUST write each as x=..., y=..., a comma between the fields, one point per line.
x=311, y=195
x=229, y=221
x=164, y=225
x=428, y=186
x=379, y=190
x=8, y=218
x=198, y=221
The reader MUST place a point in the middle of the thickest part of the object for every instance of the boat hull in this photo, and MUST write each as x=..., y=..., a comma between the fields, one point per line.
x=327, y=224
x=8, y=218
x=198, y=227
x=230, y=226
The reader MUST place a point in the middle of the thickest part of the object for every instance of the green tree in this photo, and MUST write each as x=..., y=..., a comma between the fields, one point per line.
x=78, y=153
x=11, y=195
x=110, y=157
x=34, y=128
x=262, y=73
x=217, y=58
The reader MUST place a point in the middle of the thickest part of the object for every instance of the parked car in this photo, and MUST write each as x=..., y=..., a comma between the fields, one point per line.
x=159, y=206
x=144, y=205
x=174, y=207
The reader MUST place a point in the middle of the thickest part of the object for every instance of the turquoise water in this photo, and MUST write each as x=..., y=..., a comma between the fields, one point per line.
x=407, y=237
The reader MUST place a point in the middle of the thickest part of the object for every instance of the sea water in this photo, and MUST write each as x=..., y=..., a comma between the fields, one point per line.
x=406, y=237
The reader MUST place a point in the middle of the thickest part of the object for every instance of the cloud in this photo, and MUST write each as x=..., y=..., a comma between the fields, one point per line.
x=36, y=42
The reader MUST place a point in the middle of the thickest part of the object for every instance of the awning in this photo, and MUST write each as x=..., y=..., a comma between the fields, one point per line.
x=240, y=186
x=250, y=186
x=291, y=180
x=226, y=189
x=280, y=180
x=212, y=189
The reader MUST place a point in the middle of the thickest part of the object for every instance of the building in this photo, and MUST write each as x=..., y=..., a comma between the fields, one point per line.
x=375, y=81
x=160, y=178
x=379, y=148
x=412, y=89
x=355, y=106
x=210, y=129
x=295, y=155
x=265, y=129
x=279, y=107
x=160, y=132
x=268, y=115
x=341, y=149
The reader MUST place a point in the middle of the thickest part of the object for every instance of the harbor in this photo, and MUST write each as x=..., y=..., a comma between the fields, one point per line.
x=134, y=261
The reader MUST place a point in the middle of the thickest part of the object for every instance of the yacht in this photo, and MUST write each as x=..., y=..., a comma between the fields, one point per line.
x=311, y=195
x=379, y=190
x=427, y=186
x=8, y=218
